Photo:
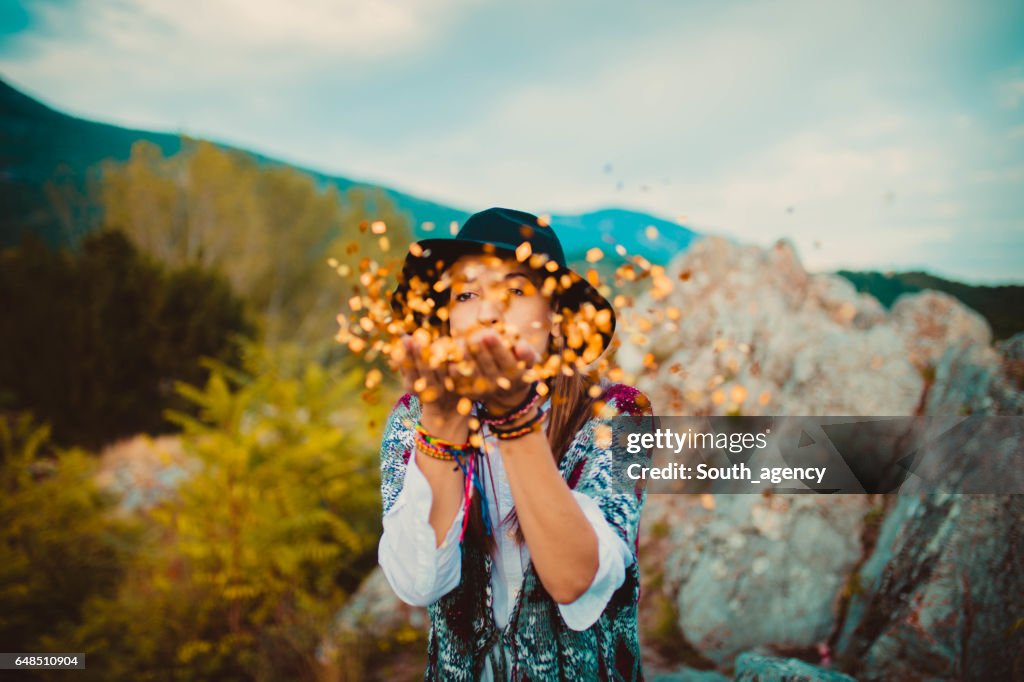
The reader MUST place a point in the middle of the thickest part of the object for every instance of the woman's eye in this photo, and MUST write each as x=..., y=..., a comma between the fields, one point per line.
x=464, y=296
x=517, y=292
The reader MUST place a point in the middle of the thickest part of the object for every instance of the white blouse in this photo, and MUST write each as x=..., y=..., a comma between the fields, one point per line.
x=420, y=572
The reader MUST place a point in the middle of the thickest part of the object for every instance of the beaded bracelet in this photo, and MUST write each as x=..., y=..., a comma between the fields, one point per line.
x=530, y=426
x=528, y=403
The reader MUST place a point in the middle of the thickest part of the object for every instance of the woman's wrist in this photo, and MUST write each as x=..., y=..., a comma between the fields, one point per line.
x=450, y=426
x=516, y=408
x=521, y=419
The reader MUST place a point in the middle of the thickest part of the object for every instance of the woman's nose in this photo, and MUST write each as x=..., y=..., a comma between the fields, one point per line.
x=489, y=311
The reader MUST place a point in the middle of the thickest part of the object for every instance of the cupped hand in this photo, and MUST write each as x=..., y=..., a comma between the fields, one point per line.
x=504, y=371
x=425, y=371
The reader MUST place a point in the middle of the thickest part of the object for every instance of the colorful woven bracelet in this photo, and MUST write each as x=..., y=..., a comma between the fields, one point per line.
x=431, y=451
x=531, y=399
x=438, y=442
x=438, y=448
x=533, y=424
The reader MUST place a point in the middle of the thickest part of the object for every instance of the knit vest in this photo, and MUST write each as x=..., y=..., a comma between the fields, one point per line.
x=541, y=646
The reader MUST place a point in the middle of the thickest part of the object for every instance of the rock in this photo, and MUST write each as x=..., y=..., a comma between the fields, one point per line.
x=377, y=611
x=690, y=675
x=143, y=470
x=758, y=335
x=375, y=636
x=979, y=380
x=752, y=667
x=931, y=322
x=941, y=596
x=783, y=558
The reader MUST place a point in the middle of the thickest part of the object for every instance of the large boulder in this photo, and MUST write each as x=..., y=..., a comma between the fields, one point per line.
x=751, y=667
x=942, y=595
x=979, y=380
x=759, y=335
x=930, y=322
x=753, y=570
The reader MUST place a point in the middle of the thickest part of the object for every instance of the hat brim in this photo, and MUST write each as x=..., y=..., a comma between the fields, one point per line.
x=436, y=255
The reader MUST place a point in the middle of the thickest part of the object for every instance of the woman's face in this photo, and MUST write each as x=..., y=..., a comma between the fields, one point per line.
x=489, y=291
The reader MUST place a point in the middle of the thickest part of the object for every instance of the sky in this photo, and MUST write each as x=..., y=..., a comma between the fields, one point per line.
x=873, y=135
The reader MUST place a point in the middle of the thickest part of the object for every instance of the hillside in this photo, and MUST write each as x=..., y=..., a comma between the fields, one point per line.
x=48, y=159
x=42, y=146
x=1000, y=305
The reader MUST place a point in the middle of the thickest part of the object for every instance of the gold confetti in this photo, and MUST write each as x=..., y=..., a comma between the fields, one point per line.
x=385, y=244
x=603, y=436
x=453, y=227
x=355, y=303
x=523, y=251
x=707, y=501
x=738, y=394
x=651, y=232
x=378, y=227
x=595, y=254
x=464, y=407
x=373, y=378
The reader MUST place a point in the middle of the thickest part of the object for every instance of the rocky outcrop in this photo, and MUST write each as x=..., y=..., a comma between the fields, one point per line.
x=723, y=559
x=754, y=668
x=758, y=335
x=979, y=380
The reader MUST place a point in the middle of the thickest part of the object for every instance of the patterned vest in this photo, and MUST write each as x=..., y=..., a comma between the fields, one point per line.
x=541, y=646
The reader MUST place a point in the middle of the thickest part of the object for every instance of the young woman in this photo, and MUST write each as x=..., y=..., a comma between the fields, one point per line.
x=502, y=511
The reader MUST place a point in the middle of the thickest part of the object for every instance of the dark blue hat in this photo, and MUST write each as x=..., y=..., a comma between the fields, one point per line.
x=500, y=231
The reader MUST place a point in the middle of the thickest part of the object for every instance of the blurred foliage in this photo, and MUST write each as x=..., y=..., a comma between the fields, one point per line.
x=94, y=340
x=248, y=563
x=268, y=228
x=60, y=545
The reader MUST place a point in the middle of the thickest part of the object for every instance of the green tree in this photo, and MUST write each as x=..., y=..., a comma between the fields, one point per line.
x=263, y=544
x=268, y=228
x=94, y=340
x=61, y=544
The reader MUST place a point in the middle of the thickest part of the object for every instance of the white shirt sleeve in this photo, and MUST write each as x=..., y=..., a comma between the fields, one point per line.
x=614, y=557
x=419, y=571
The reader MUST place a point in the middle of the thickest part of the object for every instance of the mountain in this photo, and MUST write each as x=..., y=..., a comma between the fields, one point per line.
x=41, y=146
x=655, y=239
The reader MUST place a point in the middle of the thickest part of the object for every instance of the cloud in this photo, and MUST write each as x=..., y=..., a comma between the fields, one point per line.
x=848, y=125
